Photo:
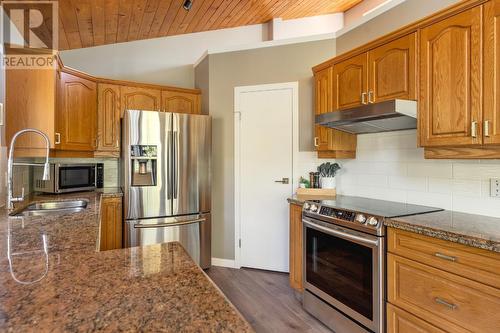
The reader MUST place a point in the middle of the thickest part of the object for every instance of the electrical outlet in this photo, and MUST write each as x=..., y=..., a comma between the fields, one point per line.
x=495, y=187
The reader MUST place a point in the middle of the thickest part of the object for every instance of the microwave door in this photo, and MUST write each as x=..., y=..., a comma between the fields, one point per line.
x=191, y=145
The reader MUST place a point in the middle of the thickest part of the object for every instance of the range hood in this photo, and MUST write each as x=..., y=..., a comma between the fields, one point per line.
x=387, y=116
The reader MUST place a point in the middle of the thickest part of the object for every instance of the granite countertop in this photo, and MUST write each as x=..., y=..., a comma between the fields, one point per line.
x=473, y=230
x=54, y=280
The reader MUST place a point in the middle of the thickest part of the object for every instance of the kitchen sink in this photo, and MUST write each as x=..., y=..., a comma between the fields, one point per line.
x=53, y=208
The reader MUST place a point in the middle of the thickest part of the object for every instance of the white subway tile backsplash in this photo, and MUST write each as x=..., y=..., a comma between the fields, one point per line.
x=390, y=167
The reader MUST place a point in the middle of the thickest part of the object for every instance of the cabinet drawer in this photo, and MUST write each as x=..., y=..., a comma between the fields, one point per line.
x=399, y=321
x=476, y=264
x=446, y=300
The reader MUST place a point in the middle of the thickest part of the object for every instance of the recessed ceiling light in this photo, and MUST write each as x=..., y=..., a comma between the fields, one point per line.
x=187, y=5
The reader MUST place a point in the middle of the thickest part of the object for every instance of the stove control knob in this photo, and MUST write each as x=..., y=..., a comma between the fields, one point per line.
x=313, y=208
x=372, y=221
x=360, y=218
x=307, y=205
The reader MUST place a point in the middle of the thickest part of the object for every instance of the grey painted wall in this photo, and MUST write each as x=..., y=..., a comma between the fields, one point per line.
x=202, y=82
x=251, y=67
x=399, y=16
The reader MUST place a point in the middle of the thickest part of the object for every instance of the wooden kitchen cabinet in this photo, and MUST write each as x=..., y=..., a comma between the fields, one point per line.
x=76, y=113
x=450, y=105
x=350, y=82
x=108, y=115
x=491, y=118
x=441, y=284
x=392, y=70
x=138, y=98
x=180, y=102
x=110, y=224
x=296, y=248
x=399, y=321
x=329, y=143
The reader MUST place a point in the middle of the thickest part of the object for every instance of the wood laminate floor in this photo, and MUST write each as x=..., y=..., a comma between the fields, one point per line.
x=265, y=299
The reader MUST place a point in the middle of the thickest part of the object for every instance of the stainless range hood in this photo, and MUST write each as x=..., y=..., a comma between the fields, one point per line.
x=392, y=115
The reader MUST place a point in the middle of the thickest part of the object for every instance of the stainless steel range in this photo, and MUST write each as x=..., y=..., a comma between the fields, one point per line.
x=344, y=260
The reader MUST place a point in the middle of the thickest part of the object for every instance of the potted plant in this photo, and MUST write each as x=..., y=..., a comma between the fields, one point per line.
x=327, y=172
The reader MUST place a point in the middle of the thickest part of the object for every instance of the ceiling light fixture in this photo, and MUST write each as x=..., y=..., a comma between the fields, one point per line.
x=187, y=5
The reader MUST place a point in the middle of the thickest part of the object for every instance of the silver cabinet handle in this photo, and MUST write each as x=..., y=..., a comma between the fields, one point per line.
x=447, y=304
x=58, y=138
x=316, y=142
x=370, y=96
x=474, y=129
x=283, y=181
x=445, y=257
x=363, y=98
x=486, y=128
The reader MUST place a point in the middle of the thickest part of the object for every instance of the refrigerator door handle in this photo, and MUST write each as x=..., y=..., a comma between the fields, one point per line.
x=175, y=171
x=169, y=166
x=172, y=224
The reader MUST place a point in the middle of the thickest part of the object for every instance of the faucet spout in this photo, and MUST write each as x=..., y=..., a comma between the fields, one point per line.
x=10, y=163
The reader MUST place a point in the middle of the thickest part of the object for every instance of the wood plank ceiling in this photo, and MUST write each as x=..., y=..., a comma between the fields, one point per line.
x=86, y=23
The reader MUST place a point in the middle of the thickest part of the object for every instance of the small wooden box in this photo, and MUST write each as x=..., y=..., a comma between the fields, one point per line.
x=323, y=192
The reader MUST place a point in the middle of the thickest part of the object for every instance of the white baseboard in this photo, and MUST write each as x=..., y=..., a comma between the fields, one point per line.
x=230, y=263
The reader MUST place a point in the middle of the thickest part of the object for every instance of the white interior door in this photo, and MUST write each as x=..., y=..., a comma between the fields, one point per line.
x=265, y=139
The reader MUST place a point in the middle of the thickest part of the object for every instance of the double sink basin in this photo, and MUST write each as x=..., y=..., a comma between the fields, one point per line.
x=52, y=208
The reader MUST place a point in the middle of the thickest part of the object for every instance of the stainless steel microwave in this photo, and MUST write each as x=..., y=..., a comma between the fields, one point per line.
x=66, y=178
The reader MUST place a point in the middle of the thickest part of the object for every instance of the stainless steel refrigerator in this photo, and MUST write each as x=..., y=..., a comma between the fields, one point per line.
x=166, y=180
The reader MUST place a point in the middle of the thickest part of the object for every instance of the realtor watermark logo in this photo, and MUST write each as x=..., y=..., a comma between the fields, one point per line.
x=29, y=34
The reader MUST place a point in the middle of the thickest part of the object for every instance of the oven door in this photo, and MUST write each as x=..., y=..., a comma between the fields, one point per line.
x=345, y=268
x=75, y=177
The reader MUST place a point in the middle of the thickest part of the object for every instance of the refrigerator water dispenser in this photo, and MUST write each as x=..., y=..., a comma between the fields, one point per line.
x=143, y=161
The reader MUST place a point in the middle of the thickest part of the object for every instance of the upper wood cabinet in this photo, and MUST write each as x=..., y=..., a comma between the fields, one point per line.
x=350, y=82
x=181, y=102
x=76, y=113
x=491, y=118
x=330, y=143
x=137, y=98
x=108, y=115
x=323, y=103
x=450, y=105
x=392, y=70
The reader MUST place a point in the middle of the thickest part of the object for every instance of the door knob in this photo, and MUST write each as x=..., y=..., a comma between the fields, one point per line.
x=283, y=181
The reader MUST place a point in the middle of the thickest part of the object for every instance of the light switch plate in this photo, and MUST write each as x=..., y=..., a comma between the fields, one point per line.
x=495, y=187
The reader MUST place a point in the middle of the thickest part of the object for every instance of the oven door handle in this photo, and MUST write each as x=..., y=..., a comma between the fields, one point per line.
x=337, y=232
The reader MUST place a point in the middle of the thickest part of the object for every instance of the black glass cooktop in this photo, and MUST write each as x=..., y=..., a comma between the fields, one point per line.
x=381, y=208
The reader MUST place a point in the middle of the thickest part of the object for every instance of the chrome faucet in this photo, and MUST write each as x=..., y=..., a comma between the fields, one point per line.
x=10, y=163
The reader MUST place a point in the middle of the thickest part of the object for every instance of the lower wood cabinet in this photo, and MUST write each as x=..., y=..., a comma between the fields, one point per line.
x=296, y=248
x=399, y=321
x=434, y=297
x=111, y=224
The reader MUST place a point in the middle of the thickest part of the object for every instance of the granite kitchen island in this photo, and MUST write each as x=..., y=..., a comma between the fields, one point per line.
x=53, y=279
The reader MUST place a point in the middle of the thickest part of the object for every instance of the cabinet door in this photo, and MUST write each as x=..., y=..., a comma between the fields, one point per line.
x=491, y=72
x=399, y=321
x=450, y=107
x=323, y=104
x=135, y=98
x=108, y=118
x=350, y=82
x=392, y=69
x=179, y=102
x=76, y=115
x=296, y=250
x=111, y=224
